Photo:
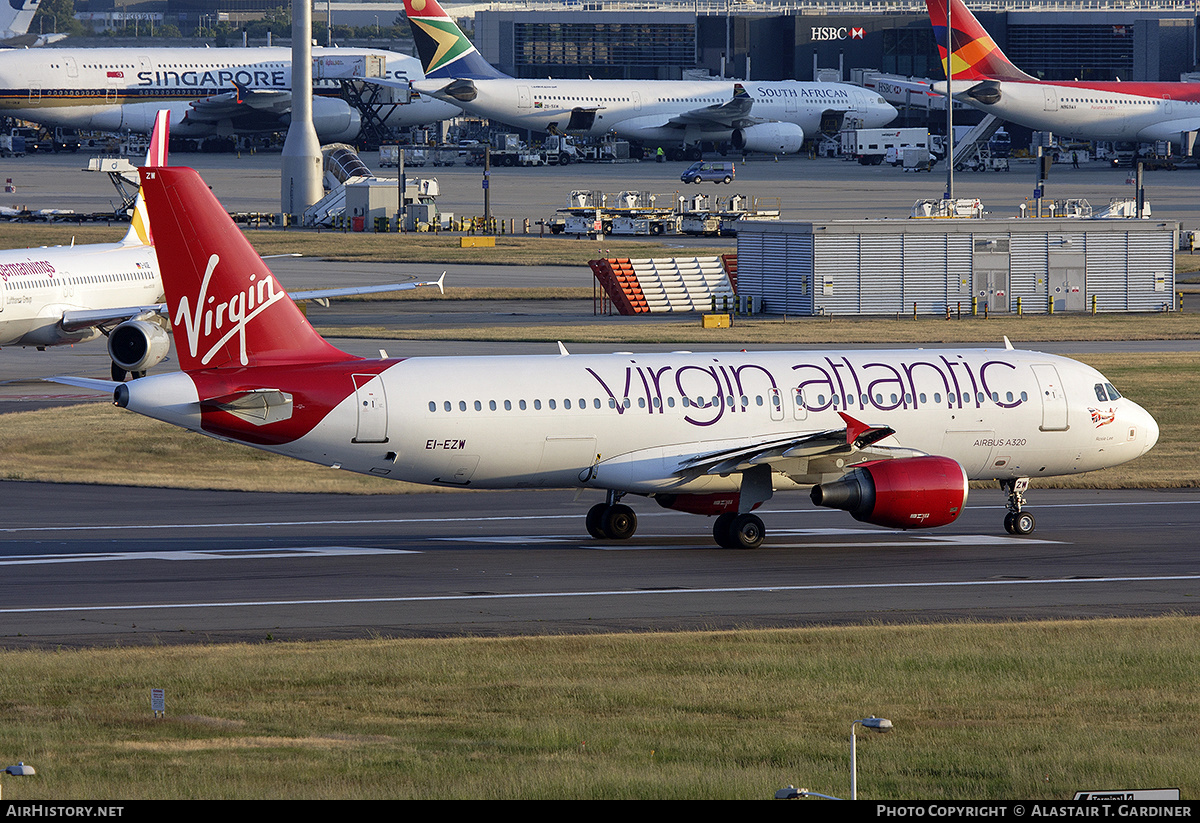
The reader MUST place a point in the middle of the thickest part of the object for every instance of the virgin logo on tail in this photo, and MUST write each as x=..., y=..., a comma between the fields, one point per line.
x=237, y=312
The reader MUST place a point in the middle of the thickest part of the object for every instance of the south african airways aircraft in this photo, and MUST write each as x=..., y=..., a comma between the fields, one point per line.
x=985, y=79
x=220, y=91
x=752, y=114
x=893, y=437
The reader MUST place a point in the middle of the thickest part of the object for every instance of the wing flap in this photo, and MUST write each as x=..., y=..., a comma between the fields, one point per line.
x=855, y=438
x=733, y=113
x=99, y=318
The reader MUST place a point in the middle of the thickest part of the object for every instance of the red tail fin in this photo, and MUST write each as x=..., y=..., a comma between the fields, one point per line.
x=975, y=55
x=225, y=306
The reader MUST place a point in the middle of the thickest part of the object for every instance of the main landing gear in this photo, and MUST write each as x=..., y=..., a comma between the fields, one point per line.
x=1017, y=521
x=738, y=531
x=611, y=520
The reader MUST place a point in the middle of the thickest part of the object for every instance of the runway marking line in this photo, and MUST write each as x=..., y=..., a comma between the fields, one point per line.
x=495, y=518
x=206, y=554
x=615, y=593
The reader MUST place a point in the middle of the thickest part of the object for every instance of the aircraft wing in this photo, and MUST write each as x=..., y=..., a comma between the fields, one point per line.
x=100, y=318
x=239, y=104
x=733, y=113
x=1169, y=129
x=351, y=291
x=856, y=439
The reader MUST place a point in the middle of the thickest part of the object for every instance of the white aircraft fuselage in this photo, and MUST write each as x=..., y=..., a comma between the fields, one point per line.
x=633, y=422
x=121, y=89
x=641, y=109
x=1089, y=111
x=42, y=285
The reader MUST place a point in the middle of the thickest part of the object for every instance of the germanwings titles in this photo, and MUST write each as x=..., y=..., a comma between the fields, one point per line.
x=893, y=437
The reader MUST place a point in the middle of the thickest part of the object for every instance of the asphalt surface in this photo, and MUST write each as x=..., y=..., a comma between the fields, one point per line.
x=104, y=564
x=160, y=566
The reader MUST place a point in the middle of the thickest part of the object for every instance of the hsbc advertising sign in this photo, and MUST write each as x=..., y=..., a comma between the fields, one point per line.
x=838, y=33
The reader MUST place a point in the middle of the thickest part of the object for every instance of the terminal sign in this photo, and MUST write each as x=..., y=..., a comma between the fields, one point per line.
x=838, y=32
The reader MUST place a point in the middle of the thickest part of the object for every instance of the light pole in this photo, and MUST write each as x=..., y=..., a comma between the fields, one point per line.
x=877, y=724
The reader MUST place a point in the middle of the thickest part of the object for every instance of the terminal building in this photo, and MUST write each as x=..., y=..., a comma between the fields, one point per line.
x=1137, y=40
x=755, y=39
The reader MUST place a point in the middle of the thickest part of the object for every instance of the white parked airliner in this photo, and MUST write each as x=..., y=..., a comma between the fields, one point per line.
x=893, y=437
x=752, y=114
x=1112, y=110
x=208, y=91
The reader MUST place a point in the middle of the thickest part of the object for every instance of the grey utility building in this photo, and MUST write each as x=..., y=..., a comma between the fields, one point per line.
x=848, y=267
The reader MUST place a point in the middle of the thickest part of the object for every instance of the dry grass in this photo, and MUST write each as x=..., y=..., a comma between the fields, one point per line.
x=391, y=248
x=981, y=712
x=903, y=330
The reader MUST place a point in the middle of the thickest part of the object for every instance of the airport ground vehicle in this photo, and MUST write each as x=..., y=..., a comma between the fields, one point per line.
x=703, y=170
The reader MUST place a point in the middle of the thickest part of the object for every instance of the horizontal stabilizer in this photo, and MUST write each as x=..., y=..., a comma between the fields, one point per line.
x=84, y=383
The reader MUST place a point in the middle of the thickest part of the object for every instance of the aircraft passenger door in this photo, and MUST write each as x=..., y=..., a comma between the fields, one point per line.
x=72, y=67
x=637, y=101
x=372, y=409
x=523, y=97
x=1054, y=399
x=1050, y=101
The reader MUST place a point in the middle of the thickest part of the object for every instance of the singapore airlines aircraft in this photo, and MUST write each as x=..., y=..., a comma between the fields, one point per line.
x=893, y=437
x=753, y=115
x=15, y=18
x=208, y=91
x=985, y=79
x=64, y=295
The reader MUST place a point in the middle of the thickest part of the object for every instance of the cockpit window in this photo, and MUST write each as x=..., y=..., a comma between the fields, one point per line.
x=1101, y=393
x=1113, y=394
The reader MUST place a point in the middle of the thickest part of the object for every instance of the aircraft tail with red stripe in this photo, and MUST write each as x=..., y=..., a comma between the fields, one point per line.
x=226, y=308
x=974, y=55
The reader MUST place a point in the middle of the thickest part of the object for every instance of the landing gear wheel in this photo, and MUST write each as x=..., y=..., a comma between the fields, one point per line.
x=1023, y=523
x=618, y=522
x=1008, y=522
x=118, y=374
x=595, y=520
x=721, y=529
x=747, y=531
x=739, y=531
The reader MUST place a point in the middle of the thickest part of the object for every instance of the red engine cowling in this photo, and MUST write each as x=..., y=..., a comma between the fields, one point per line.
x=906, y=493
x=706, y=504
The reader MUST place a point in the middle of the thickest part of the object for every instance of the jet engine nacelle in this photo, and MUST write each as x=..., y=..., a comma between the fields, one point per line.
x=778, y=138
x=136, y=345
x=335, y=120
x=905, y=493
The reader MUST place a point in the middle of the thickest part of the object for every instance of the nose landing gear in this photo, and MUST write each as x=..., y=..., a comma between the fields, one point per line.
x=1017, y=521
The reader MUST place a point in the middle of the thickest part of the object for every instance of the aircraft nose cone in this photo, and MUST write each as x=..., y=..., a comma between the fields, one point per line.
x=1151, y=426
